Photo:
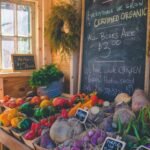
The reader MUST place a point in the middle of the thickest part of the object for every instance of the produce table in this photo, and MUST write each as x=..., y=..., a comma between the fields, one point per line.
x=10, y=142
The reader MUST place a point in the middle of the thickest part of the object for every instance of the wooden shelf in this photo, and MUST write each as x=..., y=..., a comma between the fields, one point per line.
x=12, y=143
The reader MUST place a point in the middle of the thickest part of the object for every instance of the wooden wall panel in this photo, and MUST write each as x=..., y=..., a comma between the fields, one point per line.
x=64, y=65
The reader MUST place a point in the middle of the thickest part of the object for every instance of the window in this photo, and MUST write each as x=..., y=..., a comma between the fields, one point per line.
x=15, y=31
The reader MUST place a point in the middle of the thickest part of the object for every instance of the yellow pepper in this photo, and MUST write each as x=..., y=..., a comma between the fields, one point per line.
x=15, y=121
x=3, y=119
x=5, y=122
x=12, y=113
x=45, y=103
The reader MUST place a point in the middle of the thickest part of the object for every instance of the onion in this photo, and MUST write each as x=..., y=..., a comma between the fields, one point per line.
x=75, y=148
x=94, y=140
x=91, y=133
x=86, y=139
x=78, y=143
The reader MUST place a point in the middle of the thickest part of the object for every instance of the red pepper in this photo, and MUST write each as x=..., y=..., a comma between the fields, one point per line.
x=30, y=135
x=43, y=121
x=73, y=98
x=94, y=99
x=64, y=113
x=61, y=102
x=33, y=126
x=39, y=131
x=100, y=102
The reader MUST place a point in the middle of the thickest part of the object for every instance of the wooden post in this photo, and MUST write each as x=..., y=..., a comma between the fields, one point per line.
x=81, y=45
x=147, y=62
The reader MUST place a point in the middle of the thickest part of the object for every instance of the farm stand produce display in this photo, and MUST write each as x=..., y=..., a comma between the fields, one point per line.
x=46, y=123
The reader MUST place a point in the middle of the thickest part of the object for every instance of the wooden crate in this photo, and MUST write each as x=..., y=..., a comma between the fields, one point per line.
x=17, y=134
x=29, y=142
x=15, y=86
x=6, y=129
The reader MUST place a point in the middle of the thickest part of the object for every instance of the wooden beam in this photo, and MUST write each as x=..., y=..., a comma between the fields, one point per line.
x=11, y=143
x=81, y=45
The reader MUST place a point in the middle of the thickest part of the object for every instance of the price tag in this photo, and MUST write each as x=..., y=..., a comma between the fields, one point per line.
x=143, y=148
x=81, y=115
x=113, y=144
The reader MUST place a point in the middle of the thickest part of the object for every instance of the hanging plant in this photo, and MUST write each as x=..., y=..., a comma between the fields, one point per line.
x=63, y=28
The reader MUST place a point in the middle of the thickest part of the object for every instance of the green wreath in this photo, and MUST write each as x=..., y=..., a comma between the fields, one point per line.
x=64, y=28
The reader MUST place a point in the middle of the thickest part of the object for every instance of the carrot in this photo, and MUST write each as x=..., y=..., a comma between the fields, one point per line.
x=88, y=104
x=73, y=110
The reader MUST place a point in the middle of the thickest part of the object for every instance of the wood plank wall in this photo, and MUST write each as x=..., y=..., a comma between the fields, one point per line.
x=63, y=63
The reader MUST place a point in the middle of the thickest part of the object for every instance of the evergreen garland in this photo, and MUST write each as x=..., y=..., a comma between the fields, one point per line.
x=62, y=41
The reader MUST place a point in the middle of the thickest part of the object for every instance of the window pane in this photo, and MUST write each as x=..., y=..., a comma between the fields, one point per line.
x=7, y=18
x=7, y=50
x=23, y=16
x=24, y=46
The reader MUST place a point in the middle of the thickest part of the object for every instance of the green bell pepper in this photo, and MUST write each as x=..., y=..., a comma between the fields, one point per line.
x=52, y=110
x=27, y=109
x=24, y=124
x=37, y=113
x=44, y=112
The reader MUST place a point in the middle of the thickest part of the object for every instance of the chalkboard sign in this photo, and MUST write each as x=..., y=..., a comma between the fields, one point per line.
x=81, y=115
x=23, y=62
x=114, y=46
x=143, y=148
x=113, y=144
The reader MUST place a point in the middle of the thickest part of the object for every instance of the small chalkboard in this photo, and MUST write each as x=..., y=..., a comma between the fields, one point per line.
x=113, y=144
x=143, y=148
x=81, y=115
x=23, y=62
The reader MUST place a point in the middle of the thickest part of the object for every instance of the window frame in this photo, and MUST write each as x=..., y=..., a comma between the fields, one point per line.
x=32, y=36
